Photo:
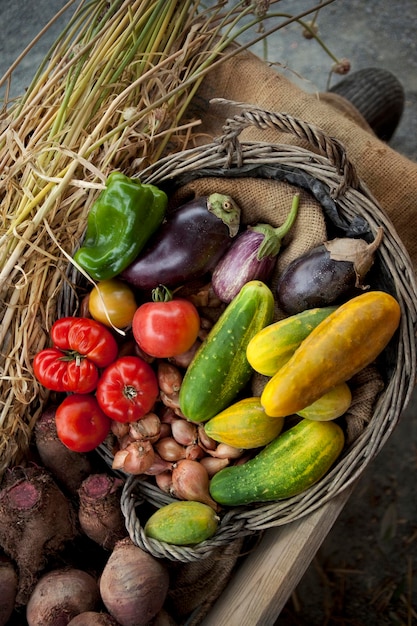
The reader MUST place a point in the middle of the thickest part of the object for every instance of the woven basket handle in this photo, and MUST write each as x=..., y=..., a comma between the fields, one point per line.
x=329, y=147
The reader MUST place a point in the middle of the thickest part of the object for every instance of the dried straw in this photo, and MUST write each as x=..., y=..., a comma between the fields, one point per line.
x=111, y=94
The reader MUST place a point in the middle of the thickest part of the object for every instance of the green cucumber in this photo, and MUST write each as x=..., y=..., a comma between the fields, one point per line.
x=220, y=368
x=287, y=466
x=182, y=523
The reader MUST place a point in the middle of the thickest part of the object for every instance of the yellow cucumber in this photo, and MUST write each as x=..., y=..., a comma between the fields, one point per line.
x=220, y=369
x=182, y=523
x=294, y=461
x=330, y=406
x=244, y=424
x=273, y=346
x=342, y=344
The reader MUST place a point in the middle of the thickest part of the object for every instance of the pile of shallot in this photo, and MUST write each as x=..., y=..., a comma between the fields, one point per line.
x=164, y=444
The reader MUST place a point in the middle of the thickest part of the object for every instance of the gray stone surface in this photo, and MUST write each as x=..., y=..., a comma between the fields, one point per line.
x=365, y=573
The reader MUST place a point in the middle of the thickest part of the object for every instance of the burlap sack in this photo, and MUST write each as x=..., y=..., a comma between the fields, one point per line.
x=391, y=177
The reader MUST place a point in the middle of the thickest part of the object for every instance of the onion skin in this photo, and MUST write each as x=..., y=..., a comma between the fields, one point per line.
x=190, y=481
x=240, y=265
x=60, y=595
x=188, y=245
x=133, y=585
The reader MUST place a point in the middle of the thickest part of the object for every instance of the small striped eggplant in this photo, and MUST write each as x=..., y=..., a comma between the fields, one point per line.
x=252, y=256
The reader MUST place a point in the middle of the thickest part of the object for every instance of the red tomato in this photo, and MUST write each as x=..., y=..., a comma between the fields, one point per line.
x=81, y=346
x=81, y=424
x=86, y=337
x=60, y=373
x=166, y=329
x=127, y=389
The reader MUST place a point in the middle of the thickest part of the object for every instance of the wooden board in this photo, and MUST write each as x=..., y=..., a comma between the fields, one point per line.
x=264, y=581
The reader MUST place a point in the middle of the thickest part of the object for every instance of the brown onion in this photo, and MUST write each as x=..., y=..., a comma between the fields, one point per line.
x=169, y=377
x=149, y=427
x=224, y=451
x=184, y=359
x=169, y=450
x=194, y=452
x=184, y=432
x=213, y=465
x=164, y=481
x=158, y=466
x=119, y=429
x=205, y=441
x=171, y=400
x=136, y=458
x=190, y=481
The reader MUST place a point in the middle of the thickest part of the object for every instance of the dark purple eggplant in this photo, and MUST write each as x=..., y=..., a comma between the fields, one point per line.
x=327, y=274
x=188, y=244
x=252, y=256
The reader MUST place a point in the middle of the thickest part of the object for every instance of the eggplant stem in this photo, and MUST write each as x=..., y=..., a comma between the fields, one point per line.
x=271, y=244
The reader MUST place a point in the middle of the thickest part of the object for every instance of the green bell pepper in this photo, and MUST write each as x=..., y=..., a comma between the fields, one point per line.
x=120, y=222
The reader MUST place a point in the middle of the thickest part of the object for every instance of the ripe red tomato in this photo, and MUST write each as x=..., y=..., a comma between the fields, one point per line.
x=165, y=329
x=127, y=389
x=81, y=424
x=81, y=346
x=87, y=337
x=65, y=374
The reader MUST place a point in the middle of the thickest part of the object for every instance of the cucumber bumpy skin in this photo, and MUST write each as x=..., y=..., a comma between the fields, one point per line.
x=182, y=523
x=220, y=369
x=290, y=464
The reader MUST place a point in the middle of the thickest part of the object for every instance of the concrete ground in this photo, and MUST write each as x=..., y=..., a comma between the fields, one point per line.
x=365, y=573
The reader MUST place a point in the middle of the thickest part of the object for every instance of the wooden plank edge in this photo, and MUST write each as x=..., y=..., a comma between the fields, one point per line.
x=264, y=581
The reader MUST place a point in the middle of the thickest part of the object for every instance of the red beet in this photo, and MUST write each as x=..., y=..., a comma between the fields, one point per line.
x=36, y=522
x=92, y=618
x=99, y=511
x=68, y=468
x=133, y=584
x=8, y=589
x=60, y=595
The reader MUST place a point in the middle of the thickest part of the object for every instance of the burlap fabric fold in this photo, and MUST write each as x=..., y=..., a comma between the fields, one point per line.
x=390, y=176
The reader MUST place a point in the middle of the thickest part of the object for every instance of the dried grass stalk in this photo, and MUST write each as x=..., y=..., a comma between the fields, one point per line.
x=111, y=94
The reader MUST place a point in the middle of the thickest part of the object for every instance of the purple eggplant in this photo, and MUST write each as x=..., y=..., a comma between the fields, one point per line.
x=328, y=274
x=188, y=244
x=252, y=256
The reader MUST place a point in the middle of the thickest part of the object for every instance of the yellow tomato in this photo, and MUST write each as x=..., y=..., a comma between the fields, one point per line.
x=112, y=302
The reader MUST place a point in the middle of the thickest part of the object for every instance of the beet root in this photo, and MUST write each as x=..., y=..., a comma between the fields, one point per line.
x=8, y=589
x=99, y=512
x=92, y=618
x=36, y=521
x=69, y=468
x=60, y=595
x=133, y=584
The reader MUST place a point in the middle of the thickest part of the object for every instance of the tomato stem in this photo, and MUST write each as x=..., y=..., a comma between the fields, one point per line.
x=161, y=294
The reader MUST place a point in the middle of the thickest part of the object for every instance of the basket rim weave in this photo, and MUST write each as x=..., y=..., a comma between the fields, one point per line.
x=328, y=163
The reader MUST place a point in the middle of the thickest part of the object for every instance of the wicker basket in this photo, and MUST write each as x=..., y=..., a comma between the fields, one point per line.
x=348, y=206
